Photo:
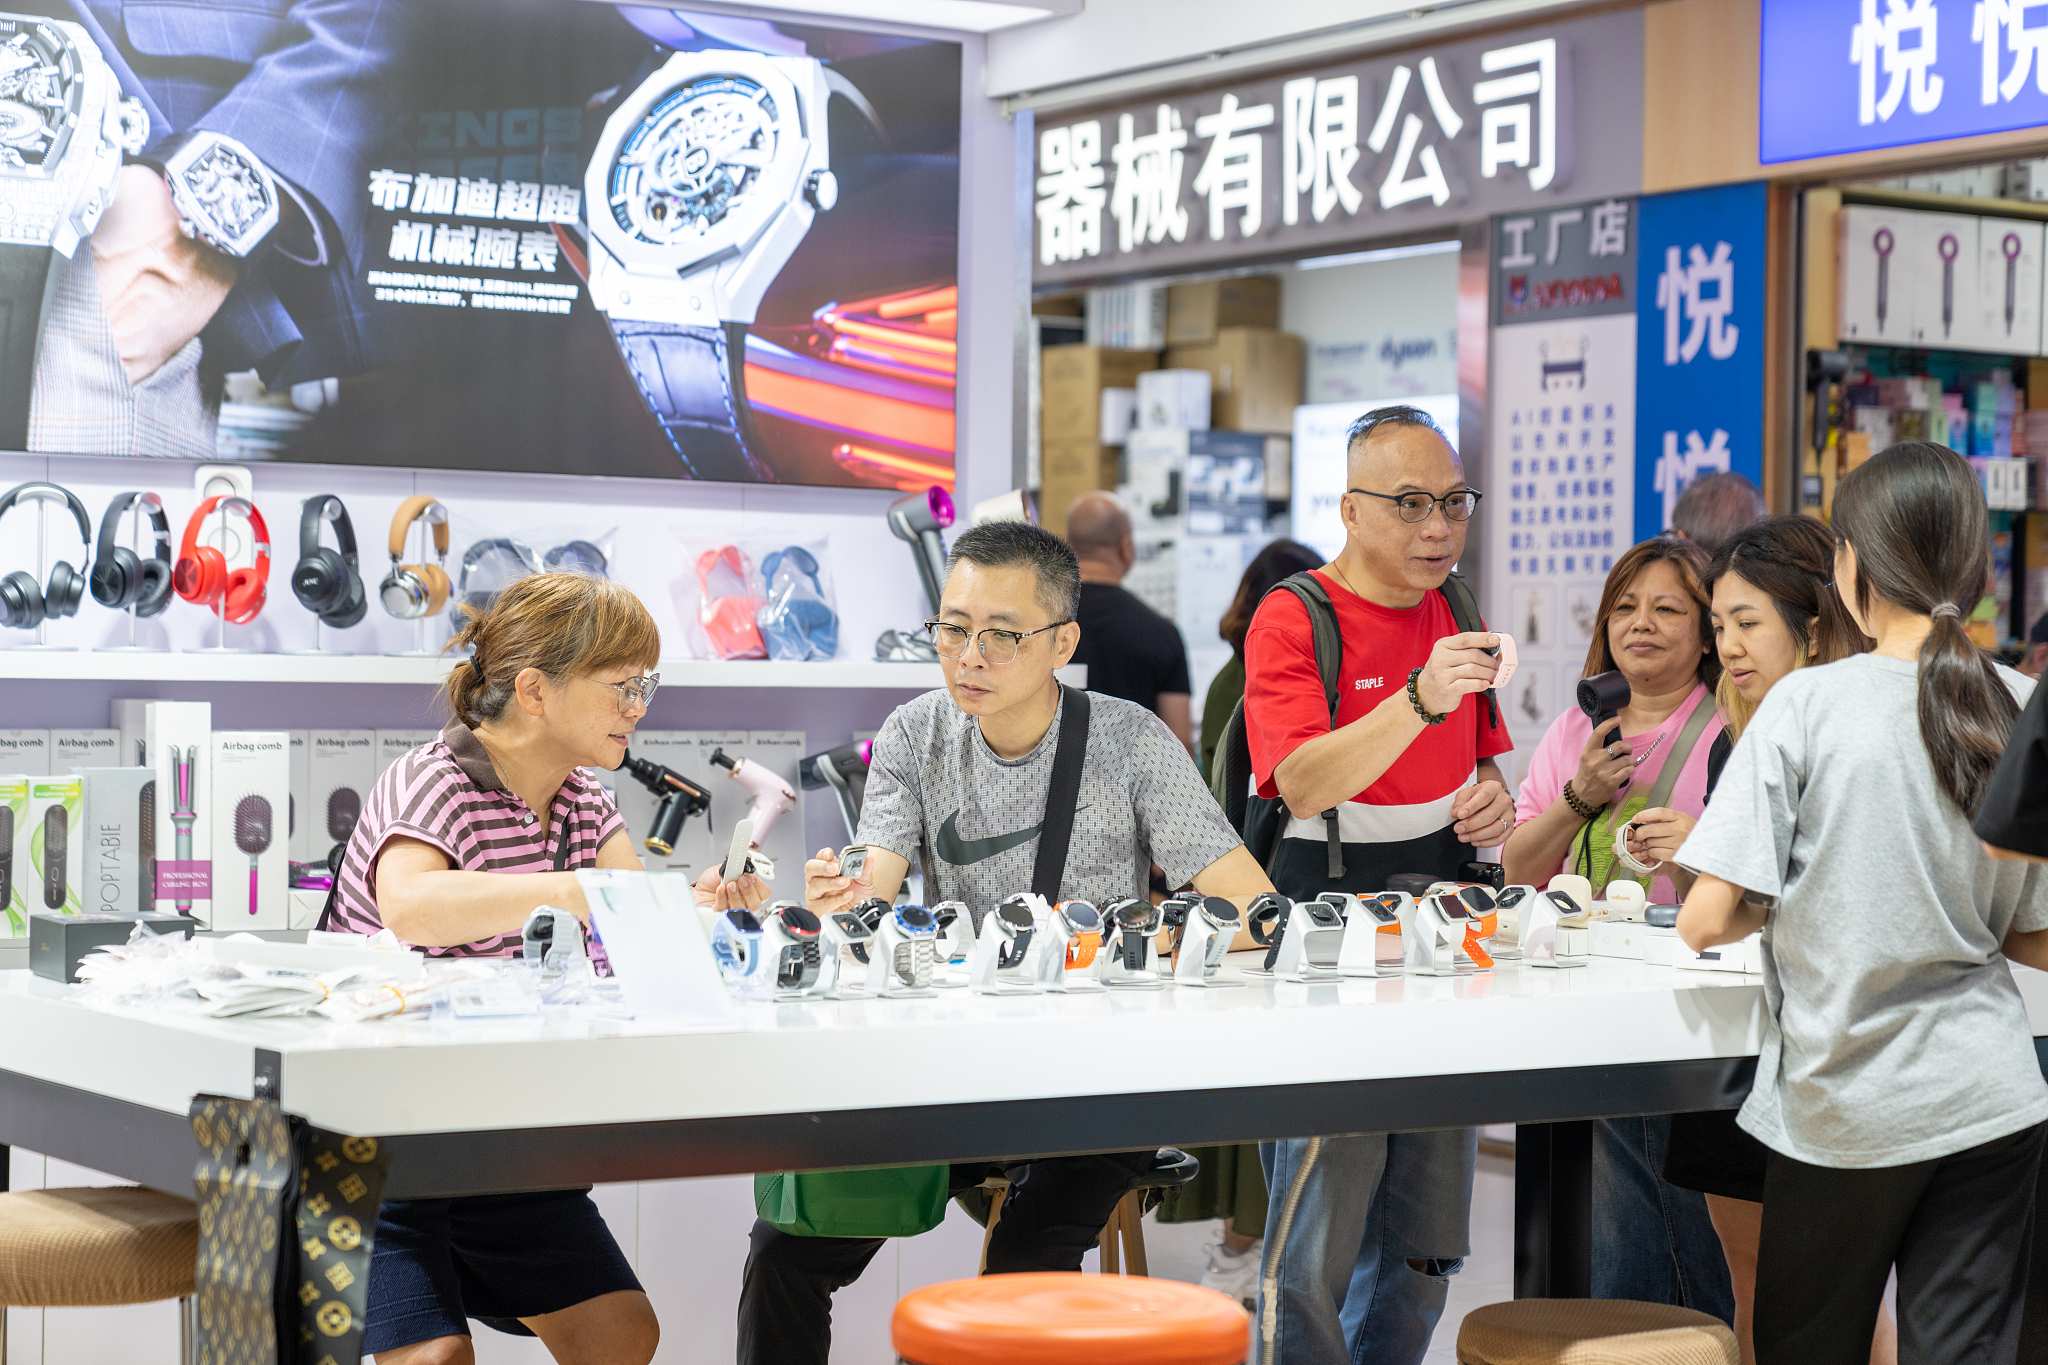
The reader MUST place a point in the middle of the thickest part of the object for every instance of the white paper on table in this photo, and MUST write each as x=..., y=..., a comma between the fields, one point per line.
x=661, y=957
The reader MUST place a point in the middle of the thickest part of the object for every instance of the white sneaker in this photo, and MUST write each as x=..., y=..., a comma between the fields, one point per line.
x=1234, y=1274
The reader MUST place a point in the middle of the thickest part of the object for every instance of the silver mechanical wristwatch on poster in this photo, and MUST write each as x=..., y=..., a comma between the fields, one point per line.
x=64, y=127
x=704, y=182
x=225, y=197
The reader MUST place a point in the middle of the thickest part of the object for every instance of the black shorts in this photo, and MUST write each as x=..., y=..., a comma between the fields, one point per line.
x=497, y=1258
x=1709, y=1153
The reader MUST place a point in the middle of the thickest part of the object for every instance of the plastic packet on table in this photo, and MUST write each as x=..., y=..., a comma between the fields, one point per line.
x=415, y=995
x=149, y=971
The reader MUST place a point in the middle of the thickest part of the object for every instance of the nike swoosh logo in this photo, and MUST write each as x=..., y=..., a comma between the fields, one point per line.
x=951, y=848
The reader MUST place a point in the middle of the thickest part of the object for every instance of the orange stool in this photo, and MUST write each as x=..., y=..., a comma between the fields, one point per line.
x=1054, y=1319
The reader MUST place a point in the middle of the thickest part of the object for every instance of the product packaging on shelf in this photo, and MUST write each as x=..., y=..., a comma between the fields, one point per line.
x=179, y=736
x=251, y=785
x=1877, y=288
x=56, y=806
x=2009, y=286
x=675, y=749
x=14, y=864
x=298, y=832
x=120, y=838
x=341, y=767
x=393, y=745
x=26, y=752
x=74, y=749
x=130, y=715
x=1946, y=309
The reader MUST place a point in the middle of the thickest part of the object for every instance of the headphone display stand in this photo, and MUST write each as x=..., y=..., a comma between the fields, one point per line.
x=220, y=644
x=134, y=535
x=316, y=649
x=42, y=643
x=419, y=648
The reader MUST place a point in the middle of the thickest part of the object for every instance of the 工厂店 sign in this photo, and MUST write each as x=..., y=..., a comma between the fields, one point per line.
x=1394, y=144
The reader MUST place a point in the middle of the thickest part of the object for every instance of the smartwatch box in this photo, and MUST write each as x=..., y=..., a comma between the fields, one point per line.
x=14, y=864
x=71, y=750
x=341, y=767
x=119, y=835
x=57, y=942
x=26, y=752
x=179, y=739
x=298, y=832
x=53, y=837
x=251, y=802
x=393, y=745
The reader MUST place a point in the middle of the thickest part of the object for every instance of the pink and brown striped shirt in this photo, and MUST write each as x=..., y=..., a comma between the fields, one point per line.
x=448, y=794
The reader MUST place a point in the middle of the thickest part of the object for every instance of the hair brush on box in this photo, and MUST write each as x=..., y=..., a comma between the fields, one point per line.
x=252, y=836
x=145, y=846
x=344, y=808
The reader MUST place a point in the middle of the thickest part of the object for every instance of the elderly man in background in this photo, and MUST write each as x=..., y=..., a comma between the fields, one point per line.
x=1715, y=507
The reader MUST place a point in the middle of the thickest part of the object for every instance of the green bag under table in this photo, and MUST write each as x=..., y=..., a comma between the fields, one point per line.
x=891, y=1201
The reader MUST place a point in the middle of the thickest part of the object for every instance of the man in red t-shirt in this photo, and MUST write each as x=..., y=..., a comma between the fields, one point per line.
x=1379, y=1221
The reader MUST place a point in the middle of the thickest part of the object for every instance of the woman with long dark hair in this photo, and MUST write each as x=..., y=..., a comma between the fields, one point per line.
x=1897, y=1087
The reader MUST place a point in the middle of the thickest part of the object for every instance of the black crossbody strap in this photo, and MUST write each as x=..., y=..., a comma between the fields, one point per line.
x=1057, y=827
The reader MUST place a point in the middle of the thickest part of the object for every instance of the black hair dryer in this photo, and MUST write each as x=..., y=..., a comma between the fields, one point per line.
x=917, y=520
x=844, y=771
x=1603, y=697
x=680, y=799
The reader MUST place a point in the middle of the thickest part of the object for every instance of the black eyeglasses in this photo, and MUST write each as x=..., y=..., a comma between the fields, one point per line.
x=997, y=646
x=1457, y=506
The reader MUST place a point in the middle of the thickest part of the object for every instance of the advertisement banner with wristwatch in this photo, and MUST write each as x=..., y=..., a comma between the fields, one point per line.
x=527, y=235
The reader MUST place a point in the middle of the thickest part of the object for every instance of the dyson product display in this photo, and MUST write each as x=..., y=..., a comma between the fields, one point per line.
x=917, y=519
x=844, y=772
x=252, y=836
x=680, y=799
x=772, y=800
x=184, y=814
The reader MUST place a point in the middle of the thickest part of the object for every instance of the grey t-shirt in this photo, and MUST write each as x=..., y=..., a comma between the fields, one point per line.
x=1893, y=1030
x=938, y=796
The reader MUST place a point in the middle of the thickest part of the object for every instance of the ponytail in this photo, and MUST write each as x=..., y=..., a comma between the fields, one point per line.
x=1916, y=517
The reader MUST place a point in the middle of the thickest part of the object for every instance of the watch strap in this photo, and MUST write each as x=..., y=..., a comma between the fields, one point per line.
x=693, y=379
x=28, y=284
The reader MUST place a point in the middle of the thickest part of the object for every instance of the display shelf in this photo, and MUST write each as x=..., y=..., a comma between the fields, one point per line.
x=23, y=665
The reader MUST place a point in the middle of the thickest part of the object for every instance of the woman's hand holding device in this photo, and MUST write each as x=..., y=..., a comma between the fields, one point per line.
x=1655, y=835
x=1606, y=763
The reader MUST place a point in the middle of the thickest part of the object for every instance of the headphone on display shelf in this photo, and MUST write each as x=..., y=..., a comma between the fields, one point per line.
x=411, y=591
x=482, y=579
x=578, y=556
x=328, y=584
x=202, y=574
x=25, y=603
x=121, y=578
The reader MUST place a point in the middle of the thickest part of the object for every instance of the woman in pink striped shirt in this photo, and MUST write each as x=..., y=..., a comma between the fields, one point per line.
x=460, y=840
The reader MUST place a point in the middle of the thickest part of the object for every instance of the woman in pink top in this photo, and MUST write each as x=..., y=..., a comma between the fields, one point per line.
x=1581, y=786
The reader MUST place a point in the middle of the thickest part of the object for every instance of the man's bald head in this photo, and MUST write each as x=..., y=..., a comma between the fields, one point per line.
x=1383, y=427
x=1097, y=525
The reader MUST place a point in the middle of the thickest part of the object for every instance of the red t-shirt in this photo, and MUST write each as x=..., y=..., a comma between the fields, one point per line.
x=1284, y=706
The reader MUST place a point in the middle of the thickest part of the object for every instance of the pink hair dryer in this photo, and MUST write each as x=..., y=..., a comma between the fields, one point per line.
x=772, y=796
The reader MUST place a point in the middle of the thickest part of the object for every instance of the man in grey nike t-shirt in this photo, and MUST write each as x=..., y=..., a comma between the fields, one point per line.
x=958, y=783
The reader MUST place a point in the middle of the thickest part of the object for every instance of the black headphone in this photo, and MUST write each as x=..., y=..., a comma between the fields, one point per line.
x=480, y=599
x=25, y=604
x=578, y=556
x=328, y=584
x=123, y=579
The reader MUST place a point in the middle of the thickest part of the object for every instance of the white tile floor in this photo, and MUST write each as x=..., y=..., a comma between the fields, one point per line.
x=687, y=1239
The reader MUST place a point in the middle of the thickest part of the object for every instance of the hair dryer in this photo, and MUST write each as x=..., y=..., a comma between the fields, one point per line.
x=845, y=771
x=680, y=799
x=917, y=520
x=772, y=796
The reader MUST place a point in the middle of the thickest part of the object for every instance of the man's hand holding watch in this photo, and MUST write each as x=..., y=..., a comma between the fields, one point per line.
x=1457, y=665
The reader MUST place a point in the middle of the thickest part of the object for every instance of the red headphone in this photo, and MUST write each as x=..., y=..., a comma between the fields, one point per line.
x=202, y=574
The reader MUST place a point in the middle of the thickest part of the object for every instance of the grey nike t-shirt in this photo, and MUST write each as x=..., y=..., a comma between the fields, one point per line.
x=938, y=796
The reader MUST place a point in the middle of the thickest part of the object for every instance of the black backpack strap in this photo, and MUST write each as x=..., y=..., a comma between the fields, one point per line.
x=1057, y=827
x=1465, y=613
x=1328, y=640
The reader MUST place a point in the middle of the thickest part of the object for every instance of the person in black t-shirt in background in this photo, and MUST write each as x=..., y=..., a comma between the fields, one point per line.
x=1131, y=650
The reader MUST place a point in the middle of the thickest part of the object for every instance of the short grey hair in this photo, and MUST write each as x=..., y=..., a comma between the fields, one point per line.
x=1008, y=544
x=1393, y=415
x=1715, y=507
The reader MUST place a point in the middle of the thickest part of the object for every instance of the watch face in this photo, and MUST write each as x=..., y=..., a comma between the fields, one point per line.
x=853, y=926
x=744, y=921
x=40, y=95
x=1511, y=897
x=1220, y=913
x=1321, y=914
x=694, y=159
x=1082, y=917
x=225, y=191
x=798, y=921
x=1134, y=916
x=916, y=919
x=1451, y=907
x=1015, y=916
x=1478, y=899
x=871, y=911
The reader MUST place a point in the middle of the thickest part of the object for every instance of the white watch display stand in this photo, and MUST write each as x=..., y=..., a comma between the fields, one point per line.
x=1200, y=943
x=1360, y=955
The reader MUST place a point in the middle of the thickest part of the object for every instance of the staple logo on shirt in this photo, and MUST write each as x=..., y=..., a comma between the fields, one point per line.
x=1367, y=684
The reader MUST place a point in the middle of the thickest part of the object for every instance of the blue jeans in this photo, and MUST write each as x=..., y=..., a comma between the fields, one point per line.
x=1652, y=1241
x=1376, y=1224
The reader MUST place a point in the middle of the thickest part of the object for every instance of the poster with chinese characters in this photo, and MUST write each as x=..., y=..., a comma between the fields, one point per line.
x=1427, y=138
x=1699, y=343
x=1853, y=75
x=532, y=235
x=1561, y=446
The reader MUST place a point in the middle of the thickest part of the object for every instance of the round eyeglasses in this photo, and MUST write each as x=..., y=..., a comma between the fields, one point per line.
x=997, y=646
x=1457, y=506
x=632, y=692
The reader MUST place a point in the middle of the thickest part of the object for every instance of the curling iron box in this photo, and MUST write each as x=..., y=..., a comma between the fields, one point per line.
x=178, y=736
x=57, y=942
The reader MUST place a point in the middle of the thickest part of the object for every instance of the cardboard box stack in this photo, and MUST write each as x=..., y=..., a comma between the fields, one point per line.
x=1074, y=459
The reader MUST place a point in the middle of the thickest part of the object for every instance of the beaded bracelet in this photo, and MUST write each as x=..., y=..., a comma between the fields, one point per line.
x=1415, y=700
x=1579, y=807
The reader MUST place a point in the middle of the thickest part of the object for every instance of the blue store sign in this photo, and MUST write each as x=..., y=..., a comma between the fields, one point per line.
x=1699, y=343
x=1852, y=75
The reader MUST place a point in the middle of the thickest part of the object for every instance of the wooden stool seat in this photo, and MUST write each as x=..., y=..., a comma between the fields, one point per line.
x=1592, y=1332
x=1073, y=1319
x=95, y=1247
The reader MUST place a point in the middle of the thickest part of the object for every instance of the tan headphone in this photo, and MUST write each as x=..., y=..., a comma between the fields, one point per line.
x=411, y=591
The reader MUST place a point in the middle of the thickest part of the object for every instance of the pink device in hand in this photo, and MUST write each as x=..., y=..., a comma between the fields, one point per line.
x=1505, y=668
